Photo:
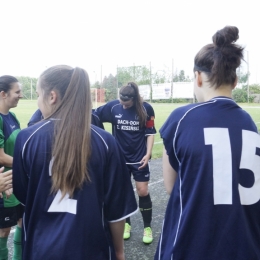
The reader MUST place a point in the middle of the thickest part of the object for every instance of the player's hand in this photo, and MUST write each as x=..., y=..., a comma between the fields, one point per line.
x=144, y=161
x=5, y=179
x=9, y=192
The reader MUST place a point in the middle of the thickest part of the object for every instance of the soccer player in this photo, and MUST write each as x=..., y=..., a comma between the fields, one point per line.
x=133, y=127
x=10, y=208
x=37, y=116
x=211, y=165
x=69, y=174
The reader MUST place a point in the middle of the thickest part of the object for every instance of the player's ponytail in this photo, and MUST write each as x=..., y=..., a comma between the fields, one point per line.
x=71, y=148
x=220, y=59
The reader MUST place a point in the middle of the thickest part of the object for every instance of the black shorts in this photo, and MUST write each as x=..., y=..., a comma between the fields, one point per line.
x=10, y=216
x=142, y=175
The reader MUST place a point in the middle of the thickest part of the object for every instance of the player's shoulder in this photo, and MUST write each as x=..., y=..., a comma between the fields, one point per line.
x=113, y=103
x=40, y=128
x=147, y=105
x=101, y=136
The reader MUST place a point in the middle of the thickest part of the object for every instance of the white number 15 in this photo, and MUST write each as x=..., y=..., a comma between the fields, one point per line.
x=222, y=165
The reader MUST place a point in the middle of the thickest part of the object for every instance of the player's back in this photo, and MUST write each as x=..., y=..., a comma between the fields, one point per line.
x=51, y=221
x=214, y=209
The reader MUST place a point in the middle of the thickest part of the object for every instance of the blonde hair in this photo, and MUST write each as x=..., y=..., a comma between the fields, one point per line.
x=72, y=134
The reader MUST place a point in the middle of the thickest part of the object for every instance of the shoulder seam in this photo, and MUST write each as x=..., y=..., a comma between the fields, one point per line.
x=100, y=137
x=32, y=135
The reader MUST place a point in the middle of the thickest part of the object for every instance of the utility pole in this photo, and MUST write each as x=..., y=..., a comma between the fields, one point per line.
x=172, y=81
x=101, y=77
x=151, y=88
x=247, y=76
x=31, y=89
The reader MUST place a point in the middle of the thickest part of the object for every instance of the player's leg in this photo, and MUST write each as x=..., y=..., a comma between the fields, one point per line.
x=7, y=220
x=127, y=230
x=145, y=203
x=4, y=233
x=17, y=255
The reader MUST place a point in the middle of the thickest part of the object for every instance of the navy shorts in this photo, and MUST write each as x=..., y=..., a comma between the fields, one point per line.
x=10, y=216
x=142, y=175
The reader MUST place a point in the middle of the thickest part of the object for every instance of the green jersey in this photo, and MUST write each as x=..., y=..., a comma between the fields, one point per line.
x=9, y=129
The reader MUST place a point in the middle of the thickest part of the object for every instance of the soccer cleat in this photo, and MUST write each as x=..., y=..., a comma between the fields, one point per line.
x=127, y=231
x=148, y=235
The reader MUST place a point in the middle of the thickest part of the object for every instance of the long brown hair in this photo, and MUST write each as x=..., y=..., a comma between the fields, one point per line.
x=71, y=143
x=131, y=89
x=220, y=59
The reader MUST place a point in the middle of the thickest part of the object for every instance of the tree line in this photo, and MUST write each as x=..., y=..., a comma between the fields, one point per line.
x=142, y=76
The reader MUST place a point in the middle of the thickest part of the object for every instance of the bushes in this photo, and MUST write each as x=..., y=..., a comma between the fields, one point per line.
x=240, y=96
x=172, y=100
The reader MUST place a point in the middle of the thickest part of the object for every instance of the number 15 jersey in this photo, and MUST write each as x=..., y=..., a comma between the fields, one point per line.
x=214, y=209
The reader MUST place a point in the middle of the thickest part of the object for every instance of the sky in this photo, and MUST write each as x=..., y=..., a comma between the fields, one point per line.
x=101, y=35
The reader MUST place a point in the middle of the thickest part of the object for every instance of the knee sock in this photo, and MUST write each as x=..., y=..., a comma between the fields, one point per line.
x=3, y=248
x=127, y=220
x=17, y=244
x=145, y=205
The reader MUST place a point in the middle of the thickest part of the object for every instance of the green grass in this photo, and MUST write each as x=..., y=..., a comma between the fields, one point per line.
x=26, y=108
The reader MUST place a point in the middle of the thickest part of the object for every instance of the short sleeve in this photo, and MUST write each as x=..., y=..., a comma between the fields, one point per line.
x=104, y=112
x=120, y=200
x=167, y=133
x=95, y=120
x=36, y=117
x=150, y=125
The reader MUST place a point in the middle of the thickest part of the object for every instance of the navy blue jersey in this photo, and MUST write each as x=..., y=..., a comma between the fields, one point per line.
x=71, y=228
x=126, y=128
x=214, y=210
x=37, y=116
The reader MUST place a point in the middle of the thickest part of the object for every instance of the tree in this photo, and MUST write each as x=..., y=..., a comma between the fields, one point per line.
x=181, y=77
x=96, y=85
x=110, y=85
x=28, y=87
x=242, y=76
x=240, y=95
x=138, y=74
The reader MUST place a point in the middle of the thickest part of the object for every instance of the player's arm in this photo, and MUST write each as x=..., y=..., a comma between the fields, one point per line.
x=169, y=174
x=146, y=158
x=5, y=159
x=117, y=230
x=5, y=180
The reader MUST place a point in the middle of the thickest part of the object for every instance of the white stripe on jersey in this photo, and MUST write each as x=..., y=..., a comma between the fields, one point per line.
x=174, y=139
x=112, y=221
x=32, y=135
x=100, y=137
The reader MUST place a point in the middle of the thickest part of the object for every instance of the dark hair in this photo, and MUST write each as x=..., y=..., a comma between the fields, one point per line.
x=220, y=59
x=131, y=90
x=72, y=145
x=6, y=81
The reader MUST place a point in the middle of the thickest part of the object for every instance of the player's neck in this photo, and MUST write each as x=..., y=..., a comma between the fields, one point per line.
x=222, y=91
x=3, y=108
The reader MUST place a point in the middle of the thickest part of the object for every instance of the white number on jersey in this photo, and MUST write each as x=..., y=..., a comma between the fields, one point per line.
x=62, y=205
x=222, y=165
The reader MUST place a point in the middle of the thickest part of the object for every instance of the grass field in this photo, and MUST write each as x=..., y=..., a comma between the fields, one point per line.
x=26, y=108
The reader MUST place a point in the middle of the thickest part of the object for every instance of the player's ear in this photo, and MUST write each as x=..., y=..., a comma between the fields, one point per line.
x=3, y=94
x=198, y=78
x=53, y=98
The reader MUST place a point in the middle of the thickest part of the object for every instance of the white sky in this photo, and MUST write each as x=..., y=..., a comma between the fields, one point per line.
x=93, y=33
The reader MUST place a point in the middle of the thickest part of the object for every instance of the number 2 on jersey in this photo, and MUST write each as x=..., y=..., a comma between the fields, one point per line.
x=222, y=165
x=62, y=205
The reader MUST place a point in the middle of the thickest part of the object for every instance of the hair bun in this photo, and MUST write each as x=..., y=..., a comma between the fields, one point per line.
x=225, y=36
